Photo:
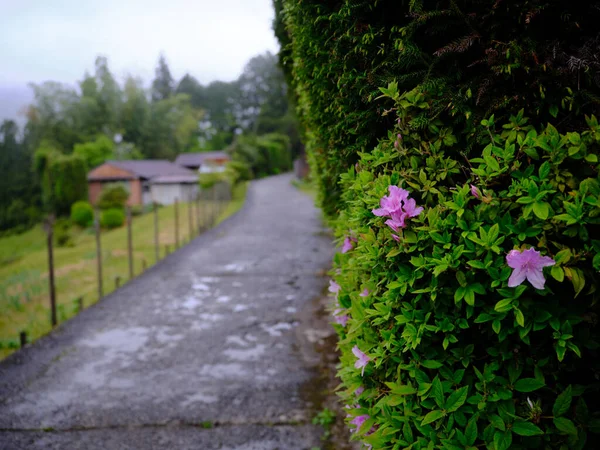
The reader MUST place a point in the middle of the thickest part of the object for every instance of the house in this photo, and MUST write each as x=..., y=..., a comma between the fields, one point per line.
x=204, y=162
x=147, y=181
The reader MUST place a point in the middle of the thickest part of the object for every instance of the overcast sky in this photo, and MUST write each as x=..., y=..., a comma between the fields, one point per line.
x=59, y=39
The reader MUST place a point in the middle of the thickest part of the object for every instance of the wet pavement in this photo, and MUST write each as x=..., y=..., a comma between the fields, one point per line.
x=209, y=349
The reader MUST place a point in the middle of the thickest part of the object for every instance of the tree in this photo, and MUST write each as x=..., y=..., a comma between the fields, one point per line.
x=162, y=86
x=190, y=86
x=108, y=97
x=95, y=152
x=135, y=112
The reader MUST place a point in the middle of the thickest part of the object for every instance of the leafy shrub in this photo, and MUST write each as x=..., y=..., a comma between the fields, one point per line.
x=237, y=171
x=63, y=236
x=475, y=361
x=112, y=218
x=113, y=197
x=477, y=57
x=137, y=210
x=209, y=179
x=264, y=155
x=459, y=347
x=82, y=214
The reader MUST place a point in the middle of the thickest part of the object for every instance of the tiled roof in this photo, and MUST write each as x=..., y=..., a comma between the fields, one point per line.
x=196, y=159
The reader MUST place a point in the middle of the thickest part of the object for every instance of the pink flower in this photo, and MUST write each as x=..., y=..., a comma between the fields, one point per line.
x=396, y=144
x=399, y=137
x=527, y=264
x=391, y=203
x=359, y=420
x=334, y=288
x=364, y=293
x=396, y=237
x=348, y=244
x=474, y=191
x=340, y=319
x=410, y=208
x=362, y=360
x=398, y=207
x=359, y=390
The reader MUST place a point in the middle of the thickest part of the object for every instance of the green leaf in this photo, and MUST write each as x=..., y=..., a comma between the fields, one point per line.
x=562, y=403
x=502, y=440
x=496, y=326
x=476, y=264
x=497, y=422
x=519, y=317
x=526, y=429
x=471, y=432
x=578, y=279
x=541, y=210
x=529, y=384
x=432, y=417
x=438, y=392
x=456, y=399
x=557, y=273
x=402, y=389
x=565, y=425
x=431, y=364
x=504, y=305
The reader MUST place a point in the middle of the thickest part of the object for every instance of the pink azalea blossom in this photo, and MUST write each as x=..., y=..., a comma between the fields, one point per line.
x=340, y=319
x=398, y=207
x=396, y=237
x=359, y=420
x=334, y=288
x=362, y=360
x=348, y=244
x=364, y=293
x=396, y=144
x=399, y=137
x=391, y=203
x=359, y=390
x=474, y=191
x=528, y=264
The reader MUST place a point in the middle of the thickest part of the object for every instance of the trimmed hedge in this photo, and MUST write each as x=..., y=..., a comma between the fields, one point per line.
x=471, y=323
x=82, y=214
x=112, y=218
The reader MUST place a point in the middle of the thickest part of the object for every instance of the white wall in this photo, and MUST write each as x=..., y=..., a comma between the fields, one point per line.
x=165, y=194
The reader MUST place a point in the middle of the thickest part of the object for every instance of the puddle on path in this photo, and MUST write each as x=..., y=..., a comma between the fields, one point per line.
x=248, y=354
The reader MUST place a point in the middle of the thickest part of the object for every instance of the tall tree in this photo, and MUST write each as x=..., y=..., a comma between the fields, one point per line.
x=135, y=113
x=162, y=86
x=109, y=96
x=190, y=86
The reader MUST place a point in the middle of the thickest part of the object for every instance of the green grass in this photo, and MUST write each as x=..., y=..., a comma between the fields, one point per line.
x=308, y=187
x=24, y=299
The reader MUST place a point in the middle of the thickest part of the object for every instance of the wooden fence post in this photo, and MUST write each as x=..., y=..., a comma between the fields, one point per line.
x=197, y=203
x=98, y=252
x=176, y=222
x=49, y=224
x=23, y=338
x=215, y=205
x=117, y=282
x=129, y=242
x=190, y=214
x=156, y=249
x=80, y=304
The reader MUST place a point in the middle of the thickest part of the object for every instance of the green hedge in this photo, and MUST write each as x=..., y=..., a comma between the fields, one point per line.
x=112, y=218
x=82, y=214
x=474, y=319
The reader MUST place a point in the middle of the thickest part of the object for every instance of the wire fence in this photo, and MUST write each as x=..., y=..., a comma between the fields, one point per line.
x=123, y=255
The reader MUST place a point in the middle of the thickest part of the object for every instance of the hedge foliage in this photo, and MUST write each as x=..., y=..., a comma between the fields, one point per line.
x=82, y=214
x=485, y=114
x=112, y=218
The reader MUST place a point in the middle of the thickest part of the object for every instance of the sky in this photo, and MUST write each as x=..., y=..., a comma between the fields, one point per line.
x=59, y=40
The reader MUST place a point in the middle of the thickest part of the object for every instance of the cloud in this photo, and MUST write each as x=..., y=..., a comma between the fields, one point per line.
x=59, y=40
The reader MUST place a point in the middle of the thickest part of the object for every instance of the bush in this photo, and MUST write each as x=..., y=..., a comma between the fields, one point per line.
x=237, y=171
x=477, y=112
x=208, y=180
x=137, y=210
x=112, y=218
x=113, y=197
x=264, y=155
x=82, y=214
x=63, y=236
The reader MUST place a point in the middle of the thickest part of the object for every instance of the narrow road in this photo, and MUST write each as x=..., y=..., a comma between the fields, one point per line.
x=206, y=350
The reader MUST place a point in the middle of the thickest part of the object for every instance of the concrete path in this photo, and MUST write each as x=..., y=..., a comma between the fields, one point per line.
x=206, y=350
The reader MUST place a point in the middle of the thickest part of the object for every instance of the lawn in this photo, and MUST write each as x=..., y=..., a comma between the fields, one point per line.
x=24, y=293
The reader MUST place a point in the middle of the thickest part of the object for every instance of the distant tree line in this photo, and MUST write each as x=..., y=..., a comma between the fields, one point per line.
x=70, y=130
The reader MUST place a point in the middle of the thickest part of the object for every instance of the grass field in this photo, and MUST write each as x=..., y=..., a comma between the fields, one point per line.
x=24, y=292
